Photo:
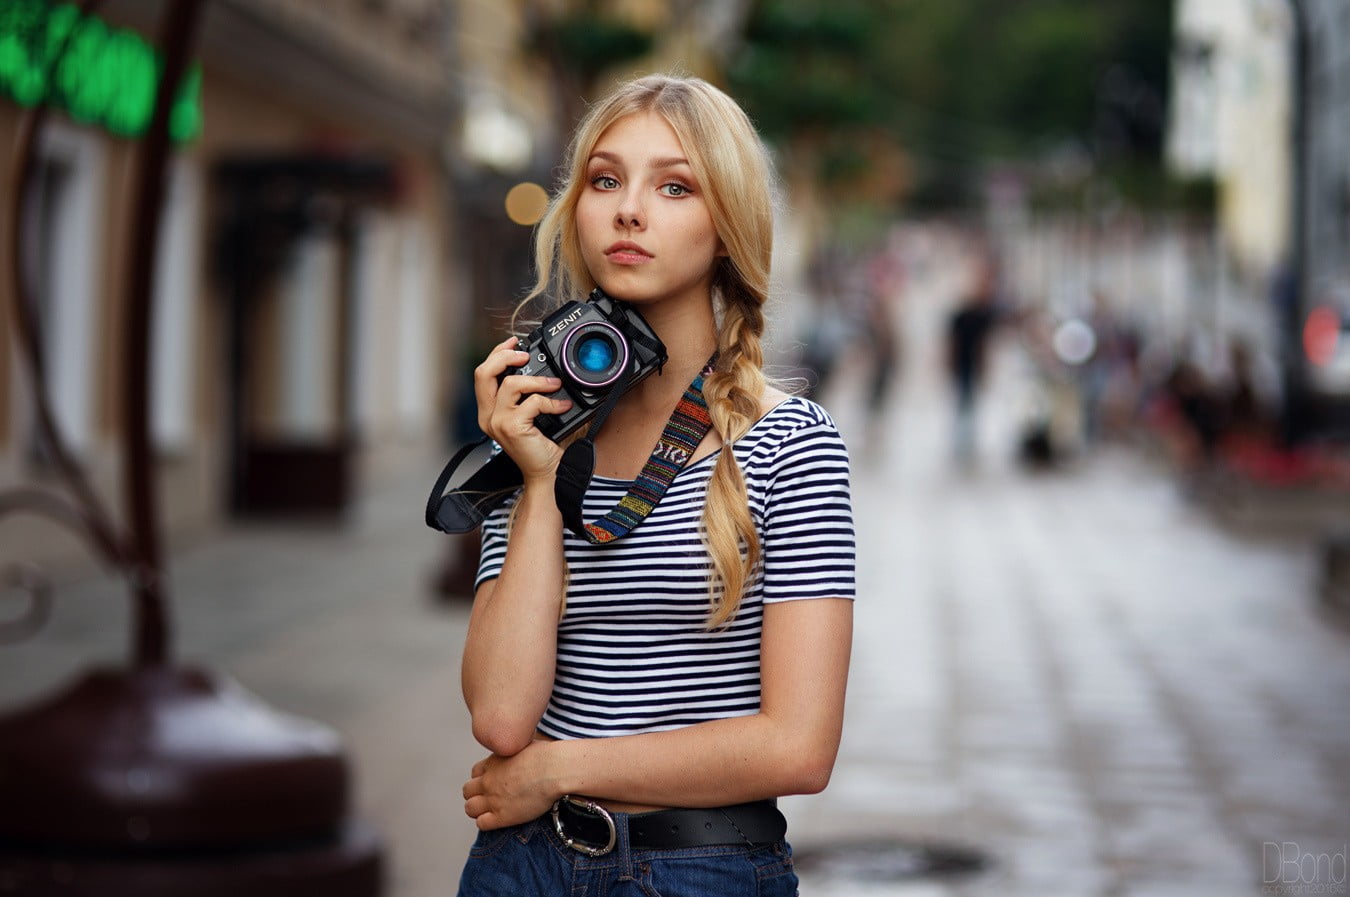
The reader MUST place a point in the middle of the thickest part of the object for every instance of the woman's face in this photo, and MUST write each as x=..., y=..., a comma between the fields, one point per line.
x=645, y=231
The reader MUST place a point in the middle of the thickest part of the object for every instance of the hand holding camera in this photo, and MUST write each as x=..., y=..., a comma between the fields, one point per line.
x=587, y=347
x=534, y=392
x=554, y=380
x=507, y=410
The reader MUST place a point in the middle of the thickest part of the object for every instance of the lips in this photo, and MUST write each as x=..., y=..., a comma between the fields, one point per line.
x=627, y=251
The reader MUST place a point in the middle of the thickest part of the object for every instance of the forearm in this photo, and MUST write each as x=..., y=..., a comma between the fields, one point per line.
x=711, y=764
x=511, y=647
x=788, y=747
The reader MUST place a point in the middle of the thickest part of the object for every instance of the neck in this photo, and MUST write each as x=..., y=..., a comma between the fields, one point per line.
x=690, y=335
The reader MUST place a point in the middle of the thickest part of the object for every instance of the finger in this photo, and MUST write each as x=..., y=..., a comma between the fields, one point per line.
x=516, y=385
x=487, y=822
x=473, y=787
x=519, y=420
x=475, y=807
x=537, y=404
x=507, y=353
x=492, y=367
x=487, y=375
x=479, y=768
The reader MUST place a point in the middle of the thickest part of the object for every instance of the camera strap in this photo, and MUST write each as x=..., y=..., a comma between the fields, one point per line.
x=461, y=510
x=687, y=426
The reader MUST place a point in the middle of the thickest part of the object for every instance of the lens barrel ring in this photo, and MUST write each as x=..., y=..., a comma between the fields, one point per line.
x=575, y=341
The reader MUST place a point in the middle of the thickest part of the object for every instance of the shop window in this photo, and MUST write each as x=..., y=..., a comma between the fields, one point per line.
x=63, y=226
x=174, y=315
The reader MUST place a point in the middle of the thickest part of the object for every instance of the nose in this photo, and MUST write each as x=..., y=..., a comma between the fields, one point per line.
x=630, y=213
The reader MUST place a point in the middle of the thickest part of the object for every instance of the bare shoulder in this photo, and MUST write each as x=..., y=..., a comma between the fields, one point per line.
x=771, y=399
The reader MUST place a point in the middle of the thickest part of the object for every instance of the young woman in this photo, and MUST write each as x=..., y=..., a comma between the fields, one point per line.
x=645, y=699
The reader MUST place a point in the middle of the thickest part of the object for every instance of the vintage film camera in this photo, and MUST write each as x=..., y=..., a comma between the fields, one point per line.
x=588, y=345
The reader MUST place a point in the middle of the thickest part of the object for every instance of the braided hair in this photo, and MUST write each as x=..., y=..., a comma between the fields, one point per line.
x=734, y=170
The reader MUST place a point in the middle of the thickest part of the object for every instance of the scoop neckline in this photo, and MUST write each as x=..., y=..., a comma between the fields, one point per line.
x=713, y=454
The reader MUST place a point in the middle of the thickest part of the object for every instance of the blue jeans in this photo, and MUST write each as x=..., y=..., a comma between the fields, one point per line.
x=530, y=860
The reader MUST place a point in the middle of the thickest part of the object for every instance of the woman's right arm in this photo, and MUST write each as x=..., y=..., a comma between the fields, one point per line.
x=511, y=646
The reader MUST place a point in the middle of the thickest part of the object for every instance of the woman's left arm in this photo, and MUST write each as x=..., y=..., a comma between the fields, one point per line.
x=788, y=747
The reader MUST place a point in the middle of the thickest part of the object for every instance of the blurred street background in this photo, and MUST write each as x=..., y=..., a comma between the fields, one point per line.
x=1071, y=277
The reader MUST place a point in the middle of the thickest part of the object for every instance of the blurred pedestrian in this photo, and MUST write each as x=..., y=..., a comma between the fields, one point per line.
x=1108, y=377
x=648, y=690
x=885, y=279
x=1201, y=411
x=1246, y=417
x=829, y=330
x=968, y=333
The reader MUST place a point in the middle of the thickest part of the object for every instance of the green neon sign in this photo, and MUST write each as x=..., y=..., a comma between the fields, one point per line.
x=107, y=76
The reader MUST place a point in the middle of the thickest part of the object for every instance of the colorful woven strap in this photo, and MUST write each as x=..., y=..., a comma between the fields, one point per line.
x=684, y=431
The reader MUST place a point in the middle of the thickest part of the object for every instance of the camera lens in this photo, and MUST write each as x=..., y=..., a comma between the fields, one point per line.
x=594, y=355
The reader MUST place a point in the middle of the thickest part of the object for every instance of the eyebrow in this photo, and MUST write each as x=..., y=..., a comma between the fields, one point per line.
x=667, y=162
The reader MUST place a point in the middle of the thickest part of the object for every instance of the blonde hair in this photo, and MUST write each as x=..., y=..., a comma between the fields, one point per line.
x=733, y=169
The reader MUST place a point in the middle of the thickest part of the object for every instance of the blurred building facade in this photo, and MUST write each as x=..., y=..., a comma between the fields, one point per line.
x=1261, y=102
x=1232, y=89
x=1230, y=119
x=335, y=254
x=1325, y=202
x=303, y=304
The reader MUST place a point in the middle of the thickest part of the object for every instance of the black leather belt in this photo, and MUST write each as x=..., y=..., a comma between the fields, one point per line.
x=589, y=828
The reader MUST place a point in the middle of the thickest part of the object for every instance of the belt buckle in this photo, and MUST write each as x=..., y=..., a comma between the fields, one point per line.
x=592, y=807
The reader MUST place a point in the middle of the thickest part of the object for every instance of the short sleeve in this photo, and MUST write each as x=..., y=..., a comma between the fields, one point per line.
x=492, y=554
x=808, y=539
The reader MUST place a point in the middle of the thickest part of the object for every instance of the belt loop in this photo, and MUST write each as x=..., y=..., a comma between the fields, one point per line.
x=625, y=847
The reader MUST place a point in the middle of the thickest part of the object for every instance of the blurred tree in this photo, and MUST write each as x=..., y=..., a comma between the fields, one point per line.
x=577, y=41
x=807, y=74
x=956, y=83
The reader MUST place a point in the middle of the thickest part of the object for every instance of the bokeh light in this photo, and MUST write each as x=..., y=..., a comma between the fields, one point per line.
x=1321, y=333
x=526, y=202
x=107, y=76
x=1075, y=341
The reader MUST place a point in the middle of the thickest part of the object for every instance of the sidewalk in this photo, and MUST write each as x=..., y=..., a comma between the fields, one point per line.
x=335, y=624
x=1077, y=674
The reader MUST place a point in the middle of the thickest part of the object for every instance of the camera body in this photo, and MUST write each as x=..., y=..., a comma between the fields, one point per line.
x=587, y=345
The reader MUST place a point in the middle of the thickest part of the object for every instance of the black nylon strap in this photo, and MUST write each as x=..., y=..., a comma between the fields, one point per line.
x=577, y=466
x=571, y=481
x=463, y=509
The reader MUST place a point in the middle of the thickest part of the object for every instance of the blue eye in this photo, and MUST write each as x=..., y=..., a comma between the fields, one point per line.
x=595, y=354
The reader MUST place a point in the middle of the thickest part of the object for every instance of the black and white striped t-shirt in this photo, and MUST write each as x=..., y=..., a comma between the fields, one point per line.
x=634, y=651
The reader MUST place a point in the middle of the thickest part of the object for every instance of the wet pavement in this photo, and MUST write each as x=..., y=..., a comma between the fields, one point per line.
x=1076, y=674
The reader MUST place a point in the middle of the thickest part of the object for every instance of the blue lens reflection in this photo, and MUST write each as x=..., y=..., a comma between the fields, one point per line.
x=595, y=354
